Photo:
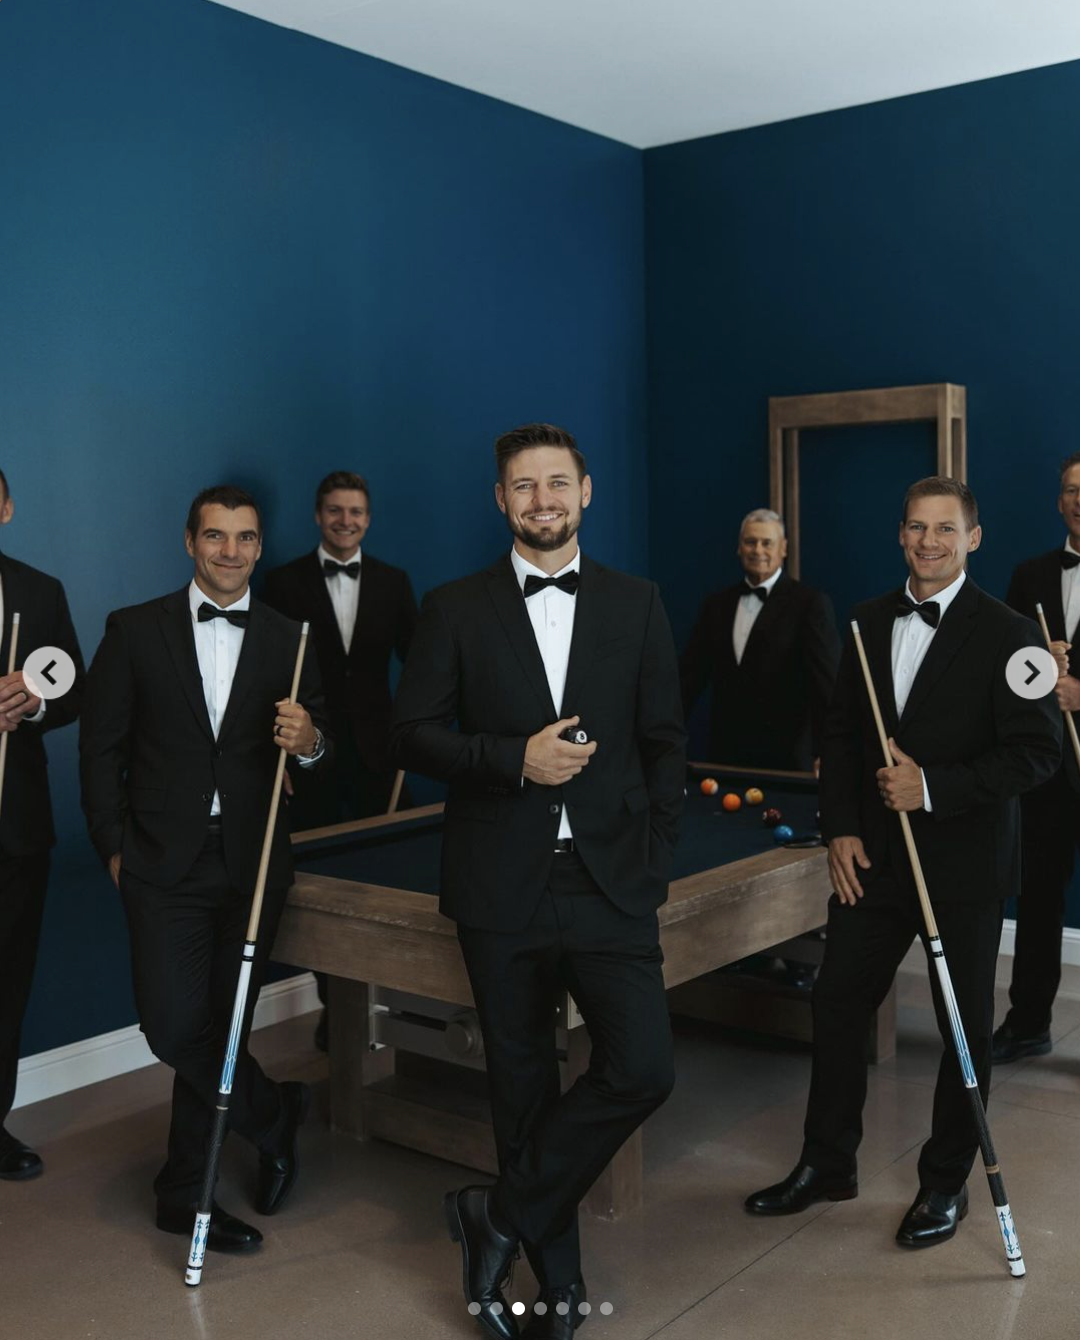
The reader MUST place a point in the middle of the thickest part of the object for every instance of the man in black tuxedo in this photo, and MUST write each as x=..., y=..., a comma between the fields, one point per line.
x=770, y=648
x=186, y=709
x=362, y=611
x=1050, y=815
x=555, y=855
x=26, y=826
x=965, y=747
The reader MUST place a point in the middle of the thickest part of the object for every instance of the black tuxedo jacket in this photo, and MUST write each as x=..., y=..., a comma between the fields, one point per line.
x=26, y=824
x=1038, y=581
x=769, y=710
x=149, y=762
x=474, y=660
x=979, y=744
x=357, y=684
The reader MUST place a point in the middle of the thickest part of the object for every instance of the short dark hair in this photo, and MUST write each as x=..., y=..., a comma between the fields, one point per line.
x=535, y=435
x=225, y=495
x=341, y=479
x=940, y=486
x=4, y=484
x=1066, y=465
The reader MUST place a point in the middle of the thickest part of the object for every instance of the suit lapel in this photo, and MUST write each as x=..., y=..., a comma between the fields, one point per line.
x=772, y=613
x=954, y=630
x=365, y=604
x=251, y=657
x=180, y=640
x=876, y=629
x=9, y=586
x=510, y=607
x=1049, y=595
x=588, y=624
x=322, y=606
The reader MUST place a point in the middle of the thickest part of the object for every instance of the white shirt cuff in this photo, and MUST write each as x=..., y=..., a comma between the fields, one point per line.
x=925, y=793
x=38, y=715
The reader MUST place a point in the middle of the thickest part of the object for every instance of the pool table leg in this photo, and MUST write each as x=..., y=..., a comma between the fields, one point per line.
x=618, y=1189
x=353, y=1065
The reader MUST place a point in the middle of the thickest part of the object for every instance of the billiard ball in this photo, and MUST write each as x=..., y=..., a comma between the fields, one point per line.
x=732, y=802
x=709, y=786
x=754, y=796
x=782, y=833
x=771, y=818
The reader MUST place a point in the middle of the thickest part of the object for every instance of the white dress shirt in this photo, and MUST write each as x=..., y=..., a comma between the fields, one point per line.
x=344, y=592
x=911, y=638
x=551, y=613
x=217, y=647
x=1070, y=595
x=3, y=669
x=747, y=611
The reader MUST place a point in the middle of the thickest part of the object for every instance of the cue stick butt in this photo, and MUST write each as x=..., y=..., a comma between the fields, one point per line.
x=395, y=794
x=1069, y=722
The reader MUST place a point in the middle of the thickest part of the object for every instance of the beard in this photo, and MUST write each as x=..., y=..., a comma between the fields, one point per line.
x=545, y=539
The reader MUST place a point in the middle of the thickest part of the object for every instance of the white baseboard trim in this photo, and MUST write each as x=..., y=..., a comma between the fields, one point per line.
x=47, y=1074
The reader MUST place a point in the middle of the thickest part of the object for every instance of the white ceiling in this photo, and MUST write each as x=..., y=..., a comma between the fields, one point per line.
x=648, y=72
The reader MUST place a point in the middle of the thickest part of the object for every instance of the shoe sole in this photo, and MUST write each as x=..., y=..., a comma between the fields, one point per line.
x=843, y=1193
x=457, y=1234
x=305, y=1103
x=1037, y=1049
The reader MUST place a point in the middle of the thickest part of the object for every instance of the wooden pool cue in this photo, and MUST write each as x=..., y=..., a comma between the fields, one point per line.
x=1069, y=722
x=395, y=794
x=11, y=671
x=993, y=1172
x=201, y=1232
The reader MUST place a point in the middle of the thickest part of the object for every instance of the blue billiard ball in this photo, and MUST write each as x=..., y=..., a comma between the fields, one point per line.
x=782, y=833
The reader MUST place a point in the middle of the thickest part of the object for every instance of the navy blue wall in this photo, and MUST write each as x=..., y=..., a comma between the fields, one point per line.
x=230, y=251
x=929, y=238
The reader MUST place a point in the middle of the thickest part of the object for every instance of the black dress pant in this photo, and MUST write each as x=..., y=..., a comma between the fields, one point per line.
x=863, y=949
x=553, y=1146
x=1050, y=819
x=186, y=948
x=22, y=903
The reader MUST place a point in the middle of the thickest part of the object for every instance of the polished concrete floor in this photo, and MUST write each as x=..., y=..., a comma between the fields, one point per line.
x=360, y=1250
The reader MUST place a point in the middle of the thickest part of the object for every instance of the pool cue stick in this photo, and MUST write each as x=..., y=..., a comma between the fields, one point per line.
x=993, y=1172
x=11, y=671
x=1069, y=722
x=395, y=794
x=200, y=1233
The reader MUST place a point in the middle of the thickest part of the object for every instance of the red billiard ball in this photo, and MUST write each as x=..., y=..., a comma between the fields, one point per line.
x=709, y=786
x=771, y=818
x=732, y=802
x=754, y=796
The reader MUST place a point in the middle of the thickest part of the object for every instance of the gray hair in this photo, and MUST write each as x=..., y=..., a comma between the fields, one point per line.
x=762, y=514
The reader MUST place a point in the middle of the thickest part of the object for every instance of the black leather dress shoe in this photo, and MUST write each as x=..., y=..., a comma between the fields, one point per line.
x=800, y=1189
x=18, y=1163
x=556, y=1315
x=932, y=1218
x=1011, y=1045
x=277, y=1172
x=487, y=1257
x=227, y=1233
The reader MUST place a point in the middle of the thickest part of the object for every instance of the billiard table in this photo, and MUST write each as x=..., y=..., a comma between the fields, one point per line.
x=405, y=1054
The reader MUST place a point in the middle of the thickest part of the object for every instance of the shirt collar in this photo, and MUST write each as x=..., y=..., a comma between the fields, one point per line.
x=196, y=596
x=1067, y=546
x=943, y=599
x=523, y=568
x=766, y=585
x=324, y=557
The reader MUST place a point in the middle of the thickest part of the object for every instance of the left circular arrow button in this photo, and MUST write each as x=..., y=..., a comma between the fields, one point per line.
x=49, y=672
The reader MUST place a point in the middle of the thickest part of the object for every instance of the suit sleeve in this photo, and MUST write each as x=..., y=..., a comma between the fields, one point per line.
x=842, y=750
x=310, y=696
x=661, y=734
x=423, y=737
x=63, y=711
x=696, y=661
x=1027, y=749
x=821, y=648
x=108, y=707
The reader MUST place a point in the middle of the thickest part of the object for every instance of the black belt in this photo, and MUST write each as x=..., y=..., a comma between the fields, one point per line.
x=564, y=844
x=214, y=825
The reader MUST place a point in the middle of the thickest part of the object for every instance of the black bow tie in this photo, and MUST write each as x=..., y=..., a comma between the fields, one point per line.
x=758, y=591
x=929, y=611
x=568, y=582
x=331, y=569
x=238, y=618
x=1069, y=559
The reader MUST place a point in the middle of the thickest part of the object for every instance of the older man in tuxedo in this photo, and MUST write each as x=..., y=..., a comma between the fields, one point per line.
x=186, y=710
x=965, y=747
x=555, y=856
x=26, y=826
x=1050, y=813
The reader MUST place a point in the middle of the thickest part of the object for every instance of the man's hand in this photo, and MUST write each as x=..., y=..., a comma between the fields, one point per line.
x=845, y=853
x=1068, y=693
x=901, y=786
x=550, y=761
x=293, y=728
x=817, y=767
x=114, y=869
x=1060, y=652
x=16, y=701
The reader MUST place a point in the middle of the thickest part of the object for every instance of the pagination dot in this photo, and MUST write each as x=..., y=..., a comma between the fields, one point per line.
x=607, y=1309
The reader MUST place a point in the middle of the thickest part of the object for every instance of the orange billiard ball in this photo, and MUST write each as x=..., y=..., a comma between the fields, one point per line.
x=754, y=796
x=732, y=802
x=709, y=786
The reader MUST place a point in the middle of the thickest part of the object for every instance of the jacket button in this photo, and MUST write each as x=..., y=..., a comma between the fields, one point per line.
x=218, y=751
x=553, y=809
x=207, y=797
